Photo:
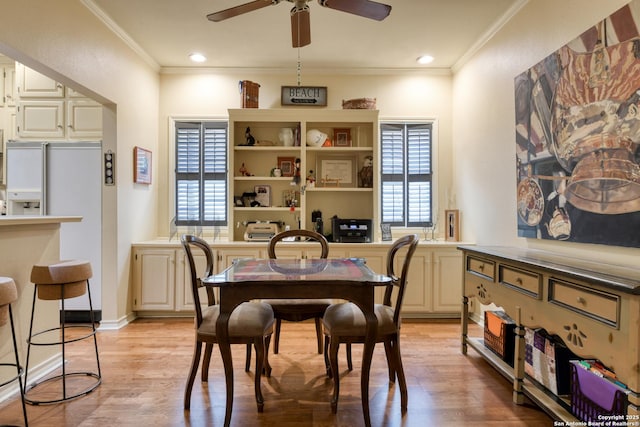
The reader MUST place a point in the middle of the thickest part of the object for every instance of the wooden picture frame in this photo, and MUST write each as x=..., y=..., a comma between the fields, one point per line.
x=342, y=137
x=386, y=232
x=336, y=171
x=452, y=225
x=287, y=165
x=263, y=195
x=141, y=166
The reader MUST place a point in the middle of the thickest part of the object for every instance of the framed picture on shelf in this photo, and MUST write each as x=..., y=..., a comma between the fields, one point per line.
x=263, y=195
x=336, y=171
x=287, y=165
x=452, y=225
x=342, y=137
x=141, y=166
x=290, y=197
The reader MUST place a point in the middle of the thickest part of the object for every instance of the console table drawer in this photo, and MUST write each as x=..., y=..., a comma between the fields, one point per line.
x=482, y=267
x=523, y=281
x=601, y=306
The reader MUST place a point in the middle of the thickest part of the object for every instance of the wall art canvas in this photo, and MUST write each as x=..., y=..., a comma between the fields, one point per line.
x=577, y=136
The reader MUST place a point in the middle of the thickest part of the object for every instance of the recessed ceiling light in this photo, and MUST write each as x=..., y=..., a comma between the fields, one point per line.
x=197, y=57
x=424, y=59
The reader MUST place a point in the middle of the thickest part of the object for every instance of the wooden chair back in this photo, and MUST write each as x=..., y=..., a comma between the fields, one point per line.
x=404, y=245
x=190, y=242
x=308, y=234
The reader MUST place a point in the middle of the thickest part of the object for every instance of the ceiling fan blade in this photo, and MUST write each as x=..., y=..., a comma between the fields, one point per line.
x=366, y=8
x=300, y=27
x=239, y=10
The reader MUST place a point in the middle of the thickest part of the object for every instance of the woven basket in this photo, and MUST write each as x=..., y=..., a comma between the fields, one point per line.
x=359, y=104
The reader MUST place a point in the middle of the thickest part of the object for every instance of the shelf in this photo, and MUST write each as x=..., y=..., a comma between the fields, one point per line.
x=265, y=209
x=340, y=149
x=334, y=189
x=266, y=148
x=350, y=201
x=263, y=178
x=540, y=397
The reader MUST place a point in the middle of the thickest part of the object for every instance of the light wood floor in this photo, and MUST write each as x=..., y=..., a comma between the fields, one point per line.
x=145, y=364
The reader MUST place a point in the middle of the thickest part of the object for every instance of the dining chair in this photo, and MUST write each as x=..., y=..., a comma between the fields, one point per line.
x=297, y=310
x=251, y=323
x=345, y=323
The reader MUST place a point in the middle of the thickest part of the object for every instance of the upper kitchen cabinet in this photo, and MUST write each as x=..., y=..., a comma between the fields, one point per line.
x=46, y=109
x=264, y=148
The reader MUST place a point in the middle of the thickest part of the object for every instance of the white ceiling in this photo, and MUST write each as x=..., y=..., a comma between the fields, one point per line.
x=165, y=32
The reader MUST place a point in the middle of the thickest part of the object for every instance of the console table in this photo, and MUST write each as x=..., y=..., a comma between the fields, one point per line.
x=593, y=307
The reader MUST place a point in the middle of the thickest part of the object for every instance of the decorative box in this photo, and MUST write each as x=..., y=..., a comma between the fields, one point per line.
x=546, y=360
x=593, y=396
x=499, y=334
x=250, y=94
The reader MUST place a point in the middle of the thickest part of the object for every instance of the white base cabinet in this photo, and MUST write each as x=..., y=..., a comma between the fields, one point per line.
x=161, y=277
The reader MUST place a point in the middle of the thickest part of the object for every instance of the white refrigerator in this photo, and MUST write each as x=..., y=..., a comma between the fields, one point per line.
x=62, y=178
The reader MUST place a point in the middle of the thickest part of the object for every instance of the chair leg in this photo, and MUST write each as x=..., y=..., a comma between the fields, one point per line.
x=267, y=365
x=333, y=357
x=18, y=367
x=327, y=365
x=404, y=397
x=192, y=374
x=349, y=359
x=247, y=362
x=319, y=333
x=390, y=361
x=276, y=341
x=258, y=343
x=33, y=307
x=208, y=349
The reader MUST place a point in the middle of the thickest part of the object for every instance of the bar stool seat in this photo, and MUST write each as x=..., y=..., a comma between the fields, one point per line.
x=8, y=295
x=62, y=280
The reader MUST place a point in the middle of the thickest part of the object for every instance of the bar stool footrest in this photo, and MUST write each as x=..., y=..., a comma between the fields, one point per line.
x=63, y=378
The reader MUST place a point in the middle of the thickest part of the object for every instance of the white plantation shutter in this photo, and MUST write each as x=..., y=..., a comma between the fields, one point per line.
x=406, y=174
x=201, y=173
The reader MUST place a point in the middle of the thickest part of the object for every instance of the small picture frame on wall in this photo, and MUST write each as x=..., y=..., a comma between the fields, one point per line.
x=141, y=166
x=452, y=225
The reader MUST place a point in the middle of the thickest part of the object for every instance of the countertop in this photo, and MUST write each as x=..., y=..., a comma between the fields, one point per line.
x=6, y=220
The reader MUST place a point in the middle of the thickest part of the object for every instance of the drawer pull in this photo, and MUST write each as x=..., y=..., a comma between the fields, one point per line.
x=481, y=267
x=519, y=281
x=581, y=300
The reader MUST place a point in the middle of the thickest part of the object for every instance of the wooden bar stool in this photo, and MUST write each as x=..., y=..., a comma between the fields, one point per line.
x=9, y=294
x=60, y=281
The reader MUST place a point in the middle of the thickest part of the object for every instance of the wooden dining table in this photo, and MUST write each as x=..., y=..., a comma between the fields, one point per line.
x=340, y=278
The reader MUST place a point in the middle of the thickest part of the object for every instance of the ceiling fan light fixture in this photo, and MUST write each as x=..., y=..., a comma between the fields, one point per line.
x=424, y=59
x=197, y=57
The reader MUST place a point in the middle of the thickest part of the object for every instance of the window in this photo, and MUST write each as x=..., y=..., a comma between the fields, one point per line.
x=201, y=173
x=406, y=174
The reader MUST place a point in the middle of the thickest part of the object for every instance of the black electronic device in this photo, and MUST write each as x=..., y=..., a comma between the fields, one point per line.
x=351, y=230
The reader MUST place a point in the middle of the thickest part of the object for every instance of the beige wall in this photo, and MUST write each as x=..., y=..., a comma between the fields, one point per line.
x=404, y=95
x=63, y=40
x=484, y=131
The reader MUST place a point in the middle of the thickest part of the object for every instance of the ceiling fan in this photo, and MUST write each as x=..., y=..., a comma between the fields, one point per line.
x=300, y=19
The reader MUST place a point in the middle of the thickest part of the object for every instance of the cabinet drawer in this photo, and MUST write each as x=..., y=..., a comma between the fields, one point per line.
x=600, y=306
x=481, y=267
x=524, y=281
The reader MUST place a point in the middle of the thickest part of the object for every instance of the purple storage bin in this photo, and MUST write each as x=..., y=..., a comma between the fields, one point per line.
x=592, y=395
